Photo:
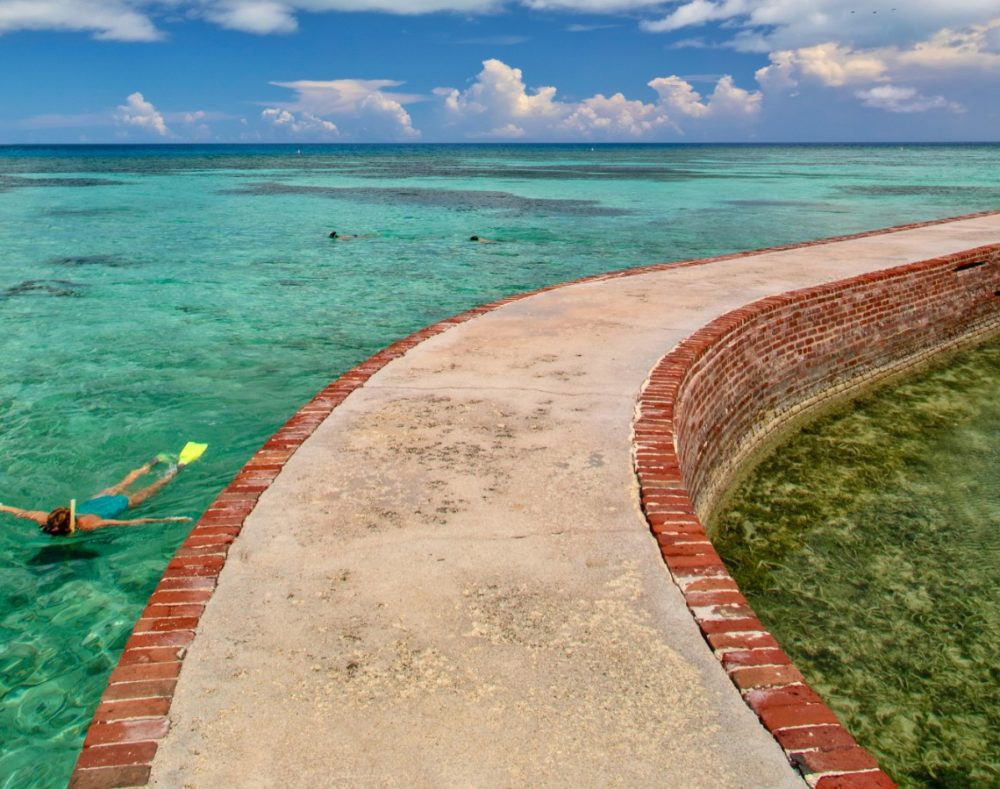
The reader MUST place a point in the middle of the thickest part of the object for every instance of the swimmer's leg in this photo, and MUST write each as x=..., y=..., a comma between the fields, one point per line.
x=137, y=498
x=132, y=476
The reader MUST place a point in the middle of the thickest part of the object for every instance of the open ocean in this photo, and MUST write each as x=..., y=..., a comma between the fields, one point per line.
x=152, y=295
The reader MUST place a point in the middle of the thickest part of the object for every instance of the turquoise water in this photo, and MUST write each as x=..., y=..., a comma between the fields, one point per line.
x=869, y=544
x=154, y=295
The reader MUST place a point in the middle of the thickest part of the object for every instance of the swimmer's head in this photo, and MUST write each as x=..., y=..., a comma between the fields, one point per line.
x=473, y=238
x=333, y=234
x=58, y=523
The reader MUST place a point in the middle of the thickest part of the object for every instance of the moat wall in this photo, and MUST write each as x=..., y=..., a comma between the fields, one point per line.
x=727, y=391
x=769, y=365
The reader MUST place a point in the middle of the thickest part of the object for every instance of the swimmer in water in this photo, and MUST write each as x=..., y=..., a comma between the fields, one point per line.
x=103, y=509
x=349, y=237
x=482, y=240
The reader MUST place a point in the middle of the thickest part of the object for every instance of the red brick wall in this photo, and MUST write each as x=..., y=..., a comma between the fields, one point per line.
x=772, y=358
x=730, y=387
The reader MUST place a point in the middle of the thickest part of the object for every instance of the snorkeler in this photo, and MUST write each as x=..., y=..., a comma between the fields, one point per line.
x=350, y=236
x=482, y=240
x=104, y=509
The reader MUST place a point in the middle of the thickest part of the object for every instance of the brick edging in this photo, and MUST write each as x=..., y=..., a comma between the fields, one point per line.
x=814, y=740
x=131, y=716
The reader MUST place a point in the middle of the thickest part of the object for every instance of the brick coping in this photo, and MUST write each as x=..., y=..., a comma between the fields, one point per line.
x=131, y=716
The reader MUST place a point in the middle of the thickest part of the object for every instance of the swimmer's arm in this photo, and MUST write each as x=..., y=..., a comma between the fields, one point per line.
x=29, y=515
x=137, y=521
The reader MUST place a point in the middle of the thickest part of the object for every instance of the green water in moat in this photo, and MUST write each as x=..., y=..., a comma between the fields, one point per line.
x=150, y=295
x=869, y=544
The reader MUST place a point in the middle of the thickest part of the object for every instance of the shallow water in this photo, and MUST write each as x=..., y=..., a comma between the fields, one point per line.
x=153, y=295
x=869, y=544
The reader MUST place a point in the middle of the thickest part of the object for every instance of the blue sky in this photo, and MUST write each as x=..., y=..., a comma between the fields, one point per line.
x=489, y=70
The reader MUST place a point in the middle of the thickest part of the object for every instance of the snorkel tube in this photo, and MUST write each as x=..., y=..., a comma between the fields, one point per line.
x=72, y=516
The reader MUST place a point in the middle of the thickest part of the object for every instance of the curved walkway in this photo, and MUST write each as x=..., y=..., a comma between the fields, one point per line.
x=451, y=582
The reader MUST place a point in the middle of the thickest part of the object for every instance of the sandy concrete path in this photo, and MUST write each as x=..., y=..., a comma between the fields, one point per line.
x=451, y=583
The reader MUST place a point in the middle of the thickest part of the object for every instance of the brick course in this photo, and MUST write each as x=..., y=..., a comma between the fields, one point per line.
x=139, y=707
x=753, y=369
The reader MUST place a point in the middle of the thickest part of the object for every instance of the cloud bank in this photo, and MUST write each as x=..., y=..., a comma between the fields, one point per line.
x=925, y=75
x=364, y=107
x=767, y=25
x=891, y=78
x=110, y=20
x=751, y=25
x=498, y=104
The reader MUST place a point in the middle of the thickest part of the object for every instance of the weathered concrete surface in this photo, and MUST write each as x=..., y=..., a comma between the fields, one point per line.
x=451, y=583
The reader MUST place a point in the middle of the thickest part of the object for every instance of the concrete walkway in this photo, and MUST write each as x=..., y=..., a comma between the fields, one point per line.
x=451, y=583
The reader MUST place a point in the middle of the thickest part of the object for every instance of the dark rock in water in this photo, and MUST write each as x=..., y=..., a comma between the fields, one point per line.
x=983, y=192
x=110, y=261
x=46, y=287
x=455, y=199
x=84, y=212
x=767, y=203
x=20, y=182
x=57, y=554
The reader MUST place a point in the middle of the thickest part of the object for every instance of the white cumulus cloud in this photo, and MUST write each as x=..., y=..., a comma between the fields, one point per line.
x=499, y=91
x=975, y=48
x=500, y=104
x=828, y=63
x=726, y=100
x=679, y=95
x=942, y=55
x=751, y=25
x=142, y=114
x=767, y=25
x=303, y=123
x=897, y=98
x=693, y=14
x=509, y=131
x=591, y=6
x=280, y=16
x=112, y=20
x=254, y=16
x=386, y=112
x=616, y=117
x=874, y=75
x=360, y=107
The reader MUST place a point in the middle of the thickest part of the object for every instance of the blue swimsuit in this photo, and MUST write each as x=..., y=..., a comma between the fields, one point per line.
x=106, y=507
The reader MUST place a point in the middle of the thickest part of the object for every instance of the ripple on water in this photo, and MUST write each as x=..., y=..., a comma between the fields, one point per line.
x=77, y=261
x=21, y=771
x=39, y=706
x=18, y=662
x=62, y=288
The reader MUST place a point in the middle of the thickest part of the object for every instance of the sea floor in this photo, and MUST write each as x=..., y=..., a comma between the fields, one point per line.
x=869, y=544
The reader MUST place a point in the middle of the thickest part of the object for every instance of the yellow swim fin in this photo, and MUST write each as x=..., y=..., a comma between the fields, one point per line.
x=191, y=453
